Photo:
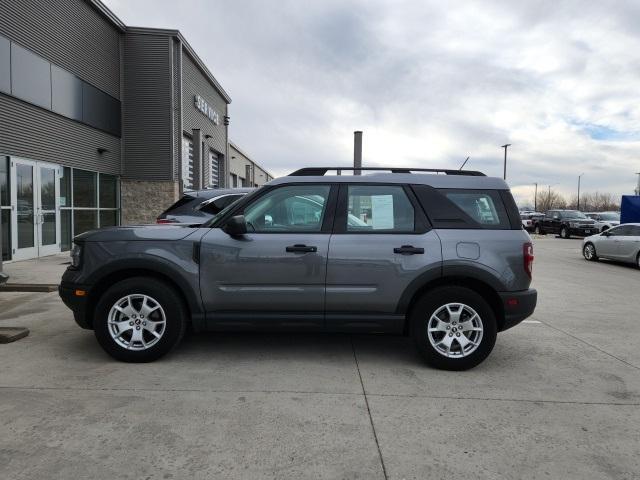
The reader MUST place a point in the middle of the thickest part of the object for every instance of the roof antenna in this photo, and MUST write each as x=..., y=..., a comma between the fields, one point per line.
x=464, y=163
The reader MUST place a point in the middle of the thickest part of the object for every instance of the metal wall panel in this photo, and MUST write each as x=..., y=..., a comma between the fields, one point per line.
x=31, y=132
x=195, y=83
x=148, y=144
x=69, y=33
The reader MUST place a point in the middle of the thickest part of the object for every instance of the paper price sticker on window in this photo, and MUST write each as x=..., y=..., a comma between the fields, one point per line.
x=382, y=212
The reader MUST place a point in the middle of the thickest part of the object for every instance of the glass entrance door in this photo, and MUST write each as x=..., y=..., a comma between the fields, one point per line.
x=36, y=223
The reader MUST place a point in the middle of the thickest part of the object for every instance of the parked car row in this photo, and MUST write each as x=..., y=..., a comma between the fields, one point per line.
x=568, y=223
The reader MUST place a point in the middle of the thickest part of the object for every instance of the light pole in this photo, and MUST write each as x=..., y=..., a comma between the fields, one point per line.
x=579, y=177
x=505, y=146
x=535, y=198
x=549, y=206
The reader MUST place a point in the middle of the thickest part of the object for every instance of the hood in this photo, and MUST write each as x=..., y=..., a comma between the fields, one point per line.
x=133, y=233
x=588, y=221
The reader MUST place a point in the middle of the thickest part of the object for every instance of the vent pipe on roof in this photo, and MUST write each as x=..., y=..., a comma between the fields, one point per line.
x=357, y=151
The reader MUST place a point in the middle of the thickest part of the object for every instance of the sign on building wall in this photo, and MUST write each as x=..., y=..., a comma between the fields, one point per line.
x=206, y=109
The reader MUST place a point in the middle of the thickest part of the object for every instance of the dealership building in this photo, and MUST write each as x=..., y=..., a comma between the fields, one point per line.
x=102, y=124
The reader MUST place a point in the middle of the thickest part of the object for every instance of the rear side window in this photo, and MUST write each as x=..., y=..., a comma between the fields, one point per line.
x=485, y=207
x=184, y=200
x=373, y=208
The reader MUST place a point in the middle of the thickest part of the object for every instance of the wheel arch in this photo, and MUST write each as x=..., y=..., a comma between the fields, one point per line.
x=484, y=289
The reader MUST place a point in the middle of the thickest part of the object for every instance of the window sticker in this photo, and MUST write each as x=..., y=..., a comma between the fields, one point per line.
x=382, y=212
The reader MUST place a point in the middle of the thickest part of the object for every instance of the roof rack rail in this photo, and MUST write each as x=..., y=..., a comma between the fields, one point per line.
x=321, y=171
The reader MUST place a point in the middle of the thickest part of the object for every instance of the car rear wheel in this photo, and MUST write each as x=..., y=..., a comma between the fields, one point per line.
x=453, y=328
x=139, y=319
x=564, y=233
x=589, y=252
x=638, y=260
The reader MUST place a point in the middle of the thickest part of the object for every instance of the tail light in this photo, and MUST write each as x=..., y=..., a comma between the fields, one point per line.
x=164, y=220
x=527, y=257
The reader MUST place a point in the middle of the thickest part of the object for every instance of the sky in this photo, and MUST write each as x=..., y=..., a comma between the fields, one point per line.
x=428, y=82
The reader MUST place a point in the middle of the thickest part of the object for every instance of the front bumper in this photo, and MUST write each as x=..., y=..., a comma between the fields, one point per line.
x=583, y=232
x=79, y=305
x=517, y=306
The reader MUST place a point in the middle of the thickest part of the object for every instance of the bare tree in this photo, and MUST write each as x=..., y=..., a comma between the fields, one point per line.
x=549, y=200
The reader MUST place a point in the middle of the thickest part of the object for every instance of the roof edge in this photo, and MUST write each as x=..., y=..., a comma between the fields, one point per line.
x=235, y=146
x=107, y=14
x=190, y=51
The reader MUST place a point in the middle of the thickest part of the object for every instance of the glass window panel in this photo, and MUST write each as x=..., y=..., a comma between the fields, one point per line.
x=293, y=209
x=5, y=195
x=84, y=188
x=108, y=218
x=66, y=93
x=47, y=188
x=48, y=232
x=65, y=230
x=5, y=62
x=379, y=207
x=65, y=187
x=108, y=191
x=30, y=76
x=24, y=192
x=100, y=110
x=483, y=206
x=84, y=220
x=5, y=217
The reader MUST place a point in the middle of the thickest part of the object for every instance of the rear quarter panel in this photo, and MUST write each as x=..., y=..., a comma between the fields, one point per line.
x=493, y=256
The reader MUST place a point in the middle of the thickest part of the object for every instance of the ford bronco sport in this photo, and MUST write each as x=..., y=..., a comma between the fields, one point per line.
x=439, y=255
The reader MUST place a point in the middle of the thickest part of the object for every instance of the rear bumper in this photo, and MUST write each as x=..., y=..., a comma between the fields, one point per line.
x=517, y=306
x=77, y=304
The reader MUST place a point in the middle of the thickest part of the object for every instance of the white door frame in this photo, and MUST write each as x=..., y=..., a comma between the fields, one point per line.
x=37, y=249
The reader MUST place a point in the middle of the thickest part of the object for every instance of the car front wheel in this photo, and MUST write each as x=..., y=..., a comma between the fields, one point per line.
x=589, y=252
x=453, y=328
x=139, y=319
x=537, y=230
x=564, y=233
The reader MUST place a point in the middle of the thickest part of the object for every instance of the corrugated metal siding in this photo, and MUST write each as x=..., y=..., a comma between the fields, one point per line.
x=177, y=107
x=32, y=132
x=147, y=121
x=195, y=83
x=69, y=33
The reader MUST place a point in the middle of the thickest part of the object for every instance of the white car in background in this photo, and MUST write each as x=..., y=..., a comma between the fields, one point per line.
x=605, y=220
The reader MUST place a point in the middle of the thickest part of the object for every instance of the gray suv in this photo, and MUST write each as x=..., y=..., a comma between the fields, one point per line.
x=439, y=255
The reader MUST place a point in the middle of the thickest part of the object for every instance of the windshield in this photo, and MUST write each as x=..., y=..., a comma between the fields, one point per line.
x=573, y=214
x=610, y=216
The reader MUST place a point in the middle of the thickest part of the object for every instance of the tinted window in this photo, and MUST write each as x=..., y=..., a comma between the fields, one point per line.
x=5, y=65
x=66, y=91
x=30, y=76
x=84, y=189
x=84, y=220
x=297, y=208
x=572, y=214
x=635, y=231
x=379, y=207
x=622, y=230
x=483, y=206
x=108, y=191
x=5, y=198
x=214, y=207
x=180, y=204
x=100, y=110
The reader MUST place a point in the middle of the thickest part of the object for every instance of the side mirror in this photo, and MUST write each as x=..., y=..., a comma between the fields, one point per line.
x=235, y=226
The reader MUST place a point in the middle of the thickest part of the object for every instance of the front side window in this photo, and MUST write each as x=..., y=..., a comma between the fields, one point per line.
x=374, y=208
x=296, y=208
x=621, y=231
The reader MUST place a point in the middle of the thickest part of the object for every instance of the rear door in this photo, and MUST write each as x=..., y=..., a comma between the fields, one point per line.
x=381, y=243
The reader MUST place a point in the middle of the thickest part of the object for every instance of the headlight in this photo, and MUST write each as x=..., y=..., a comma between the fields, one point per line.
x=76, y=255
x=574, y=224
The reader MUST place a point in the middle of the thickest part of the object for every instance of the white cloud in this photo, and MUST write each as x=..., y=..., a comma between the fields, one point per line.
x=428, y=82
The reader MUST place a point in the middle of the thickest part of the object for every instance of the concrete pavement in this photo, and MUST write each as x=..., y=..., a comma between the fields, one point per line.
x=556, y=399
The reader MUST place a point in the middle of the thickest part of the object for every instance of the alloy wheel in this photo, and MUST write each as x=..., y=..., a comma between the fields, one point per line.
x=589, y=251
x=455, y=330
x=136, y=322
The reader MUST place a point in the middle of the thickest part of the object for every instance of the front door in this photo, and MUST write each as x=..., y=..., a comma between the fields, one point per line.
x=36, y=222
x=275, y=273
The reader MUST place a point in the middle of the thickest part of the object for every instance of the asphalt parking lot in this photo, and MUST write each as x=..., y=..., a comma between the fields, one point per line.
x=558, y=398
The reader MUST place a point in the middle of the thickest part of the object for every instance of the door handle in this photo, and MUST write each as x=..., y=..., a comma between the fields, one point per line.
x=408, y=250
x=300, y=248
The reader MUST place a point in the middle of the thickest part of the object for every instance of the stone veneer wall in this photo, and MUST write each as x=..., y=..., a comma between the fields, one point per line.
x=143, y=201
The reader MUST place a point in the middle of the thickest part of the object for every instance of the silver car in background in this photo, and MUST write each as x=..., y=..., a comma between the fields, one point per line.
x=605, y=220
x=620, y=243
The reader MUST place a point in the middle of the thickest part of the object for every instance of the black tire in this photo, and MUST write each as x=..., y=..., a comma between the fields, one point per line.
x=589, y=255
x=164, y=295
x=429, y=304
x=564, y=233
x=538, y=230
